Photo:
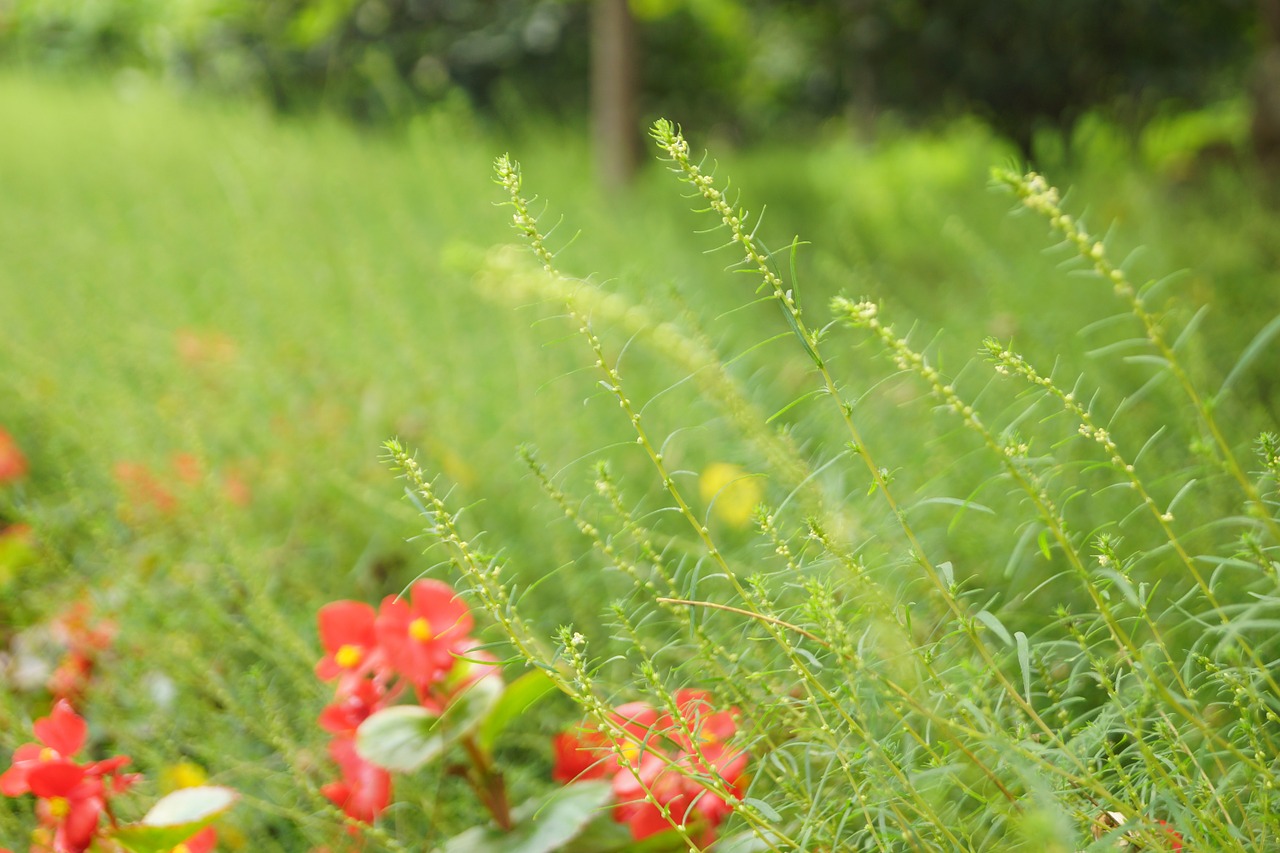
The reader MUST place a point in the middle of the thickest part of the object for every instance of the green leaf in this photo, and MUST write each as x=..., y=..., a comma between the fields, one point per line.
x=543, y=825
x=405, y=737
x=175, y=818
x=746, y=842
x=402, y=738
x=768, y=811
x=988, y=619
x=1250, y=354
x=519, y=696
x=1024, y=662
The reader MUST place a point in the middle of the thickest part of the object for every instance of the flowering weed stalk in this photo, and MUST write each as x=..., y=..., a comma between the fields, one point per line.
x=950, y=708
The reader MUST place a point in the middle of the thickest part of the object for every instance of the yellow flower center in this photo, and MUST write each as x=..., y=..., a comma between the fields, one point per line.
x=348, y=657
x=420, y=630
x=59, y=807
x=181, y=848
x=48, y=754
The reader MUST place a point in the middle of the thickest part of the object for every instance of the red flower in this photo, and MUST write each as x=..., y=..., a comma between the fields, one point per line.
x=654, y=783
x=70, y=802
x=664, y=765
x=235, y=489
x=61, y=734
x=365, y=789
x=84, y=642
x=73, y=629
x=353, y=707
x=187, y=467
x=710, y=729
x=71, y=796
x=143, y=491
x=470, y=667
x=349, y=639
x=202, y=842
x=582, y=756
x=421, y=639
x=1175, y=837
x=13, y=465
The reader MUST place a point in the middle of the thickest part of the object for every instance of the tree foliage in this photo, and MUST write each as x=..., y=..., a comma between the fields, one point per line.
x=742, y=65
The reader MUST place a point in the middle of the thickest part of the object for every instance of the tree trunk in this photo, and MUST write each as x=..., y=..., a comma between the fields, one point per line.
x=1265, y=131
x=614, y=80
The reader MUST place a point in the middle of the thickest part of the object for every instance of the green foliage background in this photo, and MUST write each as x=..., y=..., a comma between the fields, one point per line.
x=194, y=175
x=752, y=67
x=363, y=284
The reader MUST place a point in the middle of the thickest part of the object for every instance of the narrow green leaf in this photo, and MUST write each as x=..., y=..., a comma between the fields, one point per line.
x=960, y=502
x=795, y=275
x=1250, y=354
x=768, y=811
x=747, y=842
x=1024, y=662
x=988, y=619
x=789, y=406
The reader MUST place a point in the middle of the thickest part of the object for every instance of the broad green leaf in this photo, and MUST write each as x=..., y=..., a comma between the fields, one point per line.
x=401, y=738
x=606, y=835
x=405, y=737
x=543, y=825
x=473, y=707
x=175, y=818
x=519, y=696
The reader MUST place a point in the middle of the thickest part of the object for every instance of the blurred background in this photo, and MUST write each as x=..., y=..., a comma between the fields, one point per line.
x=243, y=242
x=743, y=69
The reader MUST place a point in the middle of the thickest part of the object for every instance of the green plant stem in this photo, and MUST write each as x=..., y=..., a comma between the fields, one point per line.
x=488, y=783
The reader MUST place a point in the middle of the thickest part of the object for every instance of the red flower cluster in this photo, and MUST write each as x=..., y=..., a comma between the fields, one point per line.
x=374, y=656
x=658, y=765
x=13, y=465
x=71, y=797
x=147, y=494
x=1175, y=837
x=84, y=642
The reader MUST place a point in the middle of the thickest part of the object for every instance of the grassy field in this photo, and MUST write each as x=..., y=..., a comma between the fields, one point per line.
x=243, y=307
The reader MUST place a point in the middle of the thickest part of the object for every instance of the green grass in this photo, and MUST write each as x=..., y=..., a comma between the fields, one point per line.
x=357, y=284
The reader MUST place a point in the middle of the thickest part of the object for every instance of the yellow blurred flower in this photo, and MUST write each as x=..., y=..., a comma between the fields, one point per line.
x=732, y=493
x=184, y=774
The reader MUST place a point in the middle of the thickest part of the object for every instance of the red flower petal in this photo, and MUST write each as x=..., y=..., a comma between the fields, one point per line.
x=13, y=783
x=365, y=789
x=578, y=758
x=56, y=778
x=63, y=730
